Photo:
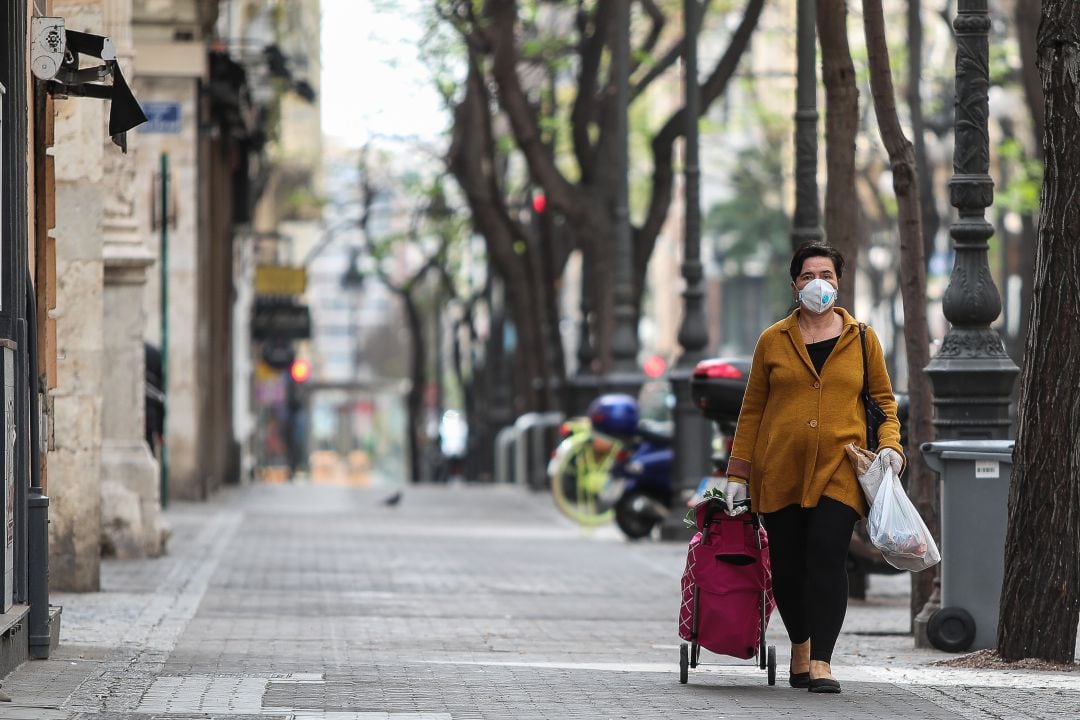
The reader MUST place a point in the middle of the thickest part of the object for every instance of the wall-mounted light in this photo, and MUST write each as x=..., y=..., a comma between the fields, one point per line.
x=54, y=59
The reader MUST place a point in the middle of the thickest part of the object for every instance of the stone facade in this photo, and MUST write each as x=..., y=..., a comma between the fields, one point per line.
x=132, y=525
x=183, y=392
x=75, y=460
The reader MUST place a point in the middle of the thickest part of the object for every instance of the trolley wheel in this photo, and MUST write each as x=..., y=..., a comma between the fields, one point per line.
x=684, y=663
x=695, y=654
x=772, y=665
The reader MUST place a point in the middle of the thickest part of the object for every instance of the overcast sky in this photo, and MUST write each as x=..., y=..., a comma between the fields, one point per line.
x=373, y=82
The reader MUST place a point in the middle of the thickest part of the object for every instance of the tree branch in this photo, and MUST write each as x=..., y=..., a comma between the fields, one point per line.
x=664, y=141
x=666, y=60
x=585, y=104
x=512, y=100
x=658, y=21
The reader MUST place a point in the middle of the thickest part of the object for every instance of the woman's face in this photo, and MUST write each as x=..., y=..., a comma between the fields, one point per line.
x=816, y=268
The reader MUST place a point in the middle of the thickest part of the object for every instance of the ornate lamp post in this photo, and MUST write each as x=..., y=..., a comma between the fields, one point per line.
x=693, y=433
x=624, y=343
x=971, y=373
x=584, y=385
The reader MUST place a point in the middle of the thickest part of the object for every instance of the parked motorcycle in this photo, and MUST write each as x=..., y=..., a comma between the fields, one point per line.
x=613, y=464
x=640, y=488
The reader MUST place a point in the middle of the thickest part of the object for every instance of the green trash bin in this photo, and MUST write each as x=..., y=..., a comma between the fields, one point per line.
x=975, y=477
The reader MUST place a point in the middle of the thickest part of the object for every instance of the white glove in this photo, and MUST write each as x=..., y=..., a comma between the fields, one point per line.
x=892, y=458
x=735, y=492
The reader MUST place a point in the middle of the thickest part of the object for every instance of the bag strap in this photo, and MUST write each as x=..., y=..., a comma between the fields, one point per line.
x=865, y=370
x=870, y=442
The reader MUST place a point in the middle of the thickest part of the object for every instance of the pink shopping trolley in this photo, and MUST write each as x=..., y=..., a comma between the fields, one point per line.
x=727, y=595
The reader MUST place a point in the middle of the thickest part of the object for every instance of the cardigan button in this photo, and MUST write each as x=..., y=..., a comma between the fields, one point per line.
x=813, y=423
x=817, y=385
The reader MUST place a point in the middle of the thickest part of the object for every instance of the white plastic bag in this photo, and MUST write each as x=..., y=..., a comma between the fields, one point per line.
x=897, y=530
x=869, y=468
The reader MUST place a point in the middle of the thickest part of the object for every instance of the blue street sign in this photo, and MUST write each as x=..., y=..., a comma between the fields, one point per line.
x=161, y=117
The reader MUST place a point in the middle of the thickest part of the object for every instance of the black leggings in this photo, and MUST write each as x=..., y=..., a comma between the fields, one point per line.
x=808, y=548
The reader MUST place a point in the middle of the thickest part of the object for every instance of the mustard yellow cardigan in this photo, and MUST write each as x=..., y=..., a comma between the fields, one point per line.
x=794, y=423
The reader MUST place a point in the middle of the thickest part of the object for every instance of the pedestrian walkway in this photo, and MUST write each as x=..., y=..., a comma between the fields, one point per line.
x=305, y=602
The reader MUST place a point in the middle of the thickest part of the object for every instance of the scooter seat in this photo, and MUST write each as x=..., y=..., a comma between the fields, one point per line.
x=656, y=431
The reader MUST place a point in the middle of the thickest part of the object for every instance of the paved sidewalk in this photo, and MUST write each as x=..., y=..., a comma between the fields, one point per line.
x=318, y=603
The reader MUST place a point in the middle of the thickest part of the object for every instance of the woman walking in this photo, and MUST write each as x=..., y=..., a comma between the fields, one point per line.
x=802, y=406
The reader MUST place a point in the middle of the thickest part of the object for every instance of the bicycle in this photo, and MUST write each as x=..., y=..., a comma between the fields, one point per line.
x=579, y=471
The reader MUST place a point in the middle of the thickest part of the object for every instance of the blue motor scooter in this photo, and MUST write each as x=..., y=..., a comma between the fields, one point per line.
x=644, y=480
x=639, y=485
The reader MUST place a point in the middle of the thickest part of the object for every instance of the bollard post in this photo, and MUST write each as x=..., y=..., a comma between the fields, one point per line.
x=38, y=580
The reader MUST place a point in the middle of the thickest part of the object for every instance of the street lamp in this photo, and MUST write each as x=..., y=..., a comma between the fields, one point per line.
x=971, y=374
x=585, y=385
x=624, y=343
x=693, y=433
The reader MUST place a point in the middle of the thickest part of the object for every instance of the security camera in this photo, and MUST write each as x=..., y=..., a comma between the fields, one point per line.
x=47, y=47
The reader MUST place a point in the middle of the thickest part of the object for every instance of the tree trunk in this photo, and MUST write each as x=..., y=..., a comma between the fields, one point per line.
x=1040, y=596
x=414, y=399
x=1027, y=28
x=931, y=221
x=841, y=126
x=922, y=483
x=472, y=160
x=553, y=266
x=1029, y=239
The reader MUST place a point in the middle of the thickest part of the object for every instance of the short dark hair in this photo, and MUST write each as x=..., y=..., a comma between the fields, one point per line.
x=816, y=249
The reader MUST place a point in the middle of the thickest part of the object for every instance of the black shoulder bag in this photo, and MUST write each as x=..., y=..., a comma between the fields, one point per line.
x=874, y=414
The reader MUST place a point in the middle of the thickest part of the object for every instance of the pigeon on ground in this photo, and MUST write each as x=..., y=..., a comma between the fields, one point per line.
x=393, y=499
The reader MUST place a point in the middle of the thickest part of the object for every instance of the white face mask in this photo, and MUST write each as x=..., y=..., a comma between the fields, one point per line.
x=817, y=296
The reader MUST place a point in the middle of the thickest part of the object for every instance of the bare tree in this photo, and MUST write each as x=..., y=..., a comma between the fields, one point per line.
x=841, y=128
x=922, y=483
x=408, y=289
x=1040, y=595
x=514, y=254
x=500, y=64
x=931, y=220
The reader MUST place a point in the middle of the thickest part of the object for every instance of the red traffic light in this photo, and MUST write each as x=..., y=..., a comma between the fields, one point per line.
x=300, y=371
x=539, y=202
x=654, y=366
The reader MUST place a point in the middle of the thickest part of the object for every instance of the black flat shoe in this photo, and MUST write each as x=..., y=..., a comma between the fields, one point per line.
x=822, y=685
x=799, y=680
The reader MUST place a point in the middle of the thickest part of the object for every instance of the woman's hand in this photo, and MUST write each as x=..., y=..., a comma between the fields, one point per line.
x=735, y=492
x=892, y=459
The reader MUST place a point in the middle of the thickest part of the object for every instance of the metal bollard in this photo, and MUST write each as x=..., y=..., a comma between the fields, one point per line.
x=38, y=580
x=504, y=454
x=521, y=447
x=541, y=441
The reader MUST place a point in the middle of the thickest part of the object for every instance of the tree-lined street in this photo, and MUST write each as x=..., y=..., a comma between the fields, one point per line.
x=322, y=603
x=310, y=308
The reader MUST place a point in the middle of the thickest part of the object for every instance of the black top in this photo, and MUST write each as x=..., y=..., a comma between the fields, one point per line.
x=820, y=351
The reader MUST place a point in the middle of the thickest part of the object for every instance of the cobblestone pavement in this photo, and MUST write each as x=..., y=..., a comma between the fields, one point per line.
x=296, y=602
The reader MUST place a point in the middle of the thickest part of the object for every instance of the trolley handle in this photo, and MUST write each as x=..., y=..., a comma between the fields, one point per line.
x=718, y=506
